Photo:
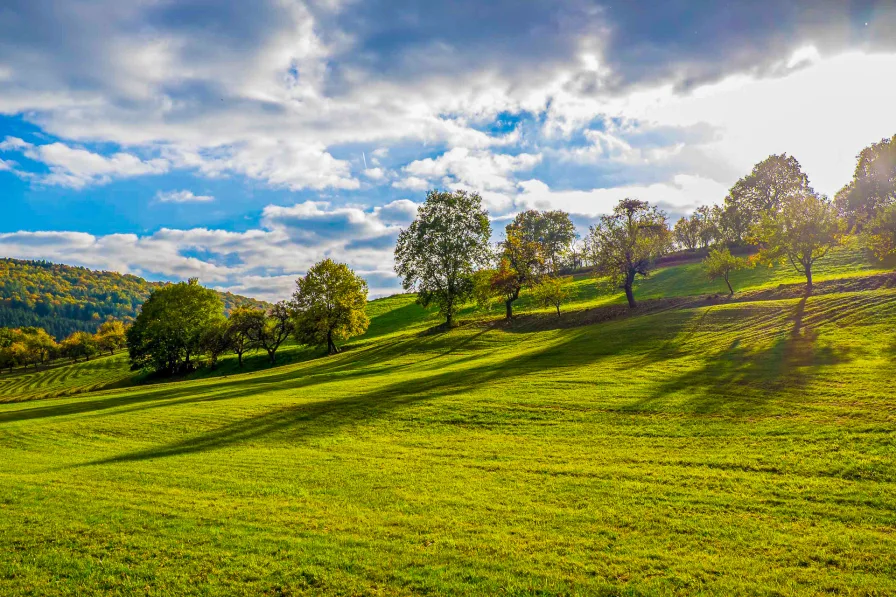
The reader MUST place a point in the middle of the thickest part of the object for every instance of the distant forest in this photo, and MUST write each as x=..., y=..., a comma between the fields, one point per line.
x=63, y=299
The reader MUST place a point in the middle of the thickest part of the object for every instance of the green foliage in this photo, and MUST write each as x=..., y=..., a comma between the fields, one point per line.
x=552, y=291
x=873, y=185
x=329, y=305
x=879, y=232
x=169, y=329
x=802, y=231
x=438, y=253
x=63, y=299
x=215, y=341
x=523, y=257
x=720, y=263
x=269, y=330
x=628, y=242
x=238, y=332
x=80, y=345
x=763, y=191
x=111, y=336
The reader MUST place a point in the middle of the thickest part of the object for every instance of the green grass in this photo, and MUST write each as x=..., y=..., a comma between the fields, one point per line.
x=739, y=448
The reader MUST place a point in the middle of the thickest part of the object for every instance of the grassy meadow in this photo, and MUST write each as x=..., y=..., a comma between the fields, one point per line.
x=702, y=446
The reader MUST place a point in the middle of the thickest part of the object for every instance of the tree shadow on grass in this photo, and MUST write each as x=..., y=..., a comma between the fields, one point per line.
x=322, y=417
x=747, y=378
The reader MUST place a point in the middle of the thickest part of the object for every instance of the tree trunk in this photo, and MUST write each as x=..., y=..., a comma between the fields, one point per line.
x=331, y=346
x=508, y=306
x=239, y=358
x=449, y=320
x=273, y=355
x=630, y=295
x=730, y=290
x=558, y=310
x=809, y=277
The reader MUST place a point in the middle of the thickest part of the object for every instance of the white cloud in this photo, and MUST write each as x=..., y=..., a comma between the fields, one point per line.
x=476, y=169
x=77, y=168
x=182, y=197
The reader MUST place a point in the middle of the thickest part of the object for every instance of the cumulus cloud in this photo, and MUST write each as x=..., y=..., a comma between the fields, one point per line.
x=477, y=169
x=182, y=197
x=76, y=168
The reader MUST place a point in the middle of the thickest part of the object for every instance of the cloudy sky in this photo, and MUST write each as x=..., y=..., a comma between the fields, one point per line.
x=240, y=142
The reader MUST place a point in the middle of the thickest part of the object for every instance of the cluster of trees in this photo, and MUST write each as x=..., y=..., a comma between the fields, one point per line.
x=181, y=324
x=23, y=347
x=445, y=255
x=63, y=299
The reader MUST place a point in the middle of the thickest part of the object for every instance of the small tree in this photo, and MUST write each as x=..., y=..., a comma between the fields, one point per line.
x=687, y=232
x=763, y=191
x=802, y=231
x=438, y=253
x=270, y=330
x=79, y=345
x=111, y=336
x=40, y=345
x=330, y=304
x=628, y=242
x=483, y=293
x=552, y=291
x=720, y=263
x=521, y=264
x=238, y=325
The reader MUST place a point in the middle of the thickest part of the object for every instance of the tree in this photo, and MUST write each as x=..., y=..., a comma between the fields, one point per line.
x=483, y=293
x=687, y=232
x=708, y=230
x=772, y=181
x=438, y=253
x=628, y=242
x=521, y=263
x=111, y=336
x=167, y=333
x=802, y=231
x=39, y=344
x=720, y=263
x=237, y=333
x=732, y=223
x=873, y=185
x=80, y=345
x=215, y=341
x=552, y=291
x=330, y=304
x=879, y=232
x=270, y=330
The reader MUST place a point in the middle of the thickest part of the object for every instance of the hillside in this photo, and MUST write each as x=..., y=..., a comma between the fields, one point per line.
x=63, y=298
x=698, y=445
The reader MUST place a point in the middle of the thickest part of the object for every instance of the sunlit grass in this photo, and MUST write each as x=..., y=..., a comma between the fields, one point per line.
x=735, y=448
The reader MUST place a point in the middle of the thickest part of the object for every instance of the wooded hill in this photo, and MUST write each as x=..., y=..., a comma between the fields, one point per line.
x=63, y=299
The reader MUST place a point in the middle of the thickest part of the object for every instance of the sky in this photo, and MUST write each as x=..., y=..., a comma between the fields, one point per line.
x=241, y=142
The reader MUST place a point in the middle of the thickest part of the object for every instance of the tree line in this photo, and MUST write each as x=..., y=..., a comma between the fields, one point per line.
x=33, y=346
x=183, y=323
x=446, y=258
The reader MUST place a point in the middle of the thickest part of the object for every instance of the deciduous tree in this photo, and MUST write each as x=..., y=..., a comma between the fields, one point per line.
x=438, y=253
x=269, y=330
x=521, y=264
x=552, y=291
x=720, y=263
x=167, y=333
x=762, y=191
x=800, y=232
x=111, y=336
x=628, y=242
x=873, y=185
x=238, y=326
x=330, y=305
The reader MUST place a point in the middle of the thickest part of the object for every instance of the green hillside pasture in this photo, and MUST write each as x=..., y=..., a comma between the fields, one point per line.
x=731, y=449
x=65, y=379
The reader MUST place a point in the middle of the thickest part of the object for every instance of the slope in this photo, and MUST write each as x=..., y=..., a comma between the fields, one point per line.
x=706, y=448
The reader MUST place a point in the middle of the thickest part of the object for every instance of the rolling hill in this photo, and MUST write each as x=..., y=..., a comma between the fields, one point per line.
x=63, y=298
x=696, y=445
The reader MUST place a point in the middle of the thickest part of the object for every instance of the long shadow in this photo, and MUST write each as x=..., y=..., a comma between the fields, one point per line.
x=321, y=417
x=737, y=376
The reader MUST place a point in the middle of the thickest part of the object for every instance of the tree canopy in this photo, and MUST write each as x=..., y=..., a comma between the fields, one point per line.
x=329, y=305
x=873, y=184
x=438, y=253
x=801, y=232
x=168, y=332
x=720, y=263
x=627, y=243
x=763, y=190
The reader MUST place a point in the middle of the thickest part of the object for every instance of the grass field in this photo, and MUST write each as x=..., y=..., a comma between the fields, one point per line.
x=701, y=447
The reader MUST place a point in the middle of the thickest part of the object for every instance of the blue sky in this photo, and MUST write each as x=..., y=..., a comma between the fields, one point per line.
x=240, y=142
